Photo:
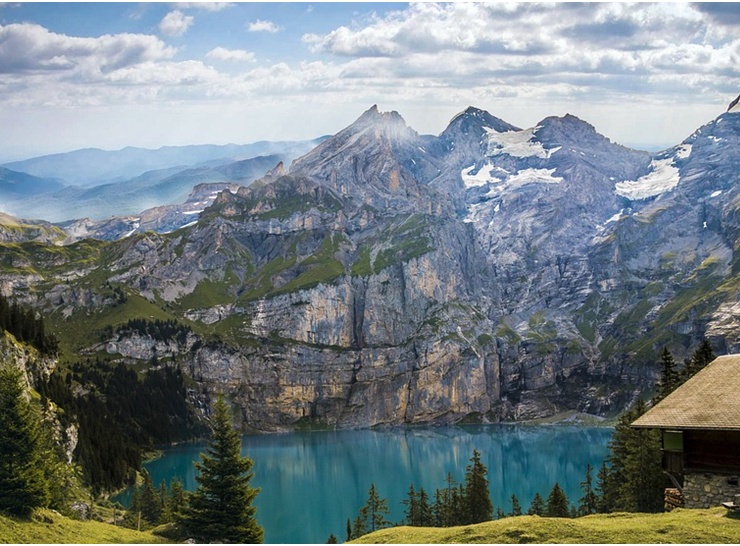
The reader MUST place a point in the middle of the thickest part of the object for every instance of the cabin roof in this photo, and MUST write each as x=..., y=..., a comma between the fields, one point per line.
x=709, y=400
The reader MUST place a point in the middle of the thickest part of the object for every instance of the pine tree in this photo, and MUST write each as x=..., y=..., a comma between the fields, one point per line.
x=635, y=480
x=177, y=499
x=425, y=510
x=359, y=527
x=375, y=510
x=477, y=506
x=349, y=531
x=411, y=512
x=557, y=503
x=537, y=507
x=151, y=504
x=701, y=357
x=587, y=503
x=669, y=377
x=516, y=508
x=332, y=539
x=604, y=496
x=221, y=508
x=23, y=486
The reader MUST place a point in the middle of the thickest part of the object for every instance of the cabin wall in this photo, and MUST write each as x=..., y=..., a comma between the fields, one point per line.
x=712, y=450
x=705, y=490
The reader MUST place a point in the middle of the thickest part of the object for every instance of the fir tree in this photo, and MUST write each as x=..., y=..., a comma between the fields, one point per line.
x=516, y=508
x=349, y=531
x=177, y=499
x=557, y=503
x=359, y=527
x=537, y=508
x=476, y=502
x=151, y=503
x=332, y=539
x=411, y=512
x=23, y=486
x=701, y=357
x=425, y=510
x=500, y=513
x=587, y=503
x=221, y=508
x=669, y=377
x=375, y=510
x=604, y=497
x=635, y=481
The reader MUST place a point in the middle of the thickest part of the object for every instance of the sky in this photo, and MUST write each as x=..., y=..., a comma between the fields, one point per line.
x=110, y=75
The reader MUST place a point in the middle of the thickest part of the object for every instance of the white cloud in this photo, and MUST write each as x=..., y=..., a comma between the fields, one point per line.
x=204, y=6
x=263, y=26
x=32, y=48
x=175, y=23
x=223, y=54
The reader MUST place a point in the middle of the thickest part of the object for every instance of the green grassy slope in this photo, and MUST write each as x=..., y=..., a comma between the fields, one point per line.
x=48, y=527
x=711, y=526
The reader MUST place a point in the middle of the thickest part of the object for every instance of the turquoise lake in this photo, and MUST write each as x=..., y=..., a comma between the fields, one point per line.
x=313, y=481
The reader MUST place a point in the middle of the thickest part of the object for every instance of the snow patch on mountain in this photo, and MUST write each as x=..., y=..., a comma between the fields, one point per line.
x=532, y=176
x=517, y=144
x=663, y=176
x=483, y=176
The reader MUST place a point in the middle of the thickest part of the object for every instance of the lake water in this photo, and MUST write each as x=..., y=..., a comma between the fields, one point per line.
x=313, y=481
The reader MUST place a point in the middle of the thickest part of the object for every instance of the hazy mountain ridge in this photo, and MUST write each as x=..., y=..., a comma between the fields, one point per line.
x=387, y=277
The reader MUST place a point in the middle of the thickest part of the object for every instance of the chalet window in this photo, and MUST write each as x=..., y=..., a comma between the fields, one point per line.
x=673, y=441
x=673, y=459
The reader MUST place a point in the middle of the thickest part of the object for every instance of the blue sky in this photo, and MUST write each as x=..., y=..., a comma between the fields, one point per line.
x=110, y=75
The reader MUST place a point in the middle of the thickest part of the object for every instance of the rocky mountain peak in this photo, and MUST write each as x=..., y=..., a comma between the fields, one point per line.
x=475, y=121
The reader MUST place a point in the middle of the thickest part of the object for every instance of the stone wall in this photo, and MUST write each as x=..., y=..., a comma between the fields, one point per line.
x=704, y=490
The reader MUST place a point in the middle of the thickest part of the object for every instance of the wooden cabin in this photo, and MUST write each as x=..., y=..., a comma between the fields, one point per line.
x=700, y=428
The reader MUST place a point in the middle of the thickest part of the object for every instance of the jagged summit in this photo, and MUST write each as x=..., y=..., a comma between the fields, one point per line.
x=475, y=120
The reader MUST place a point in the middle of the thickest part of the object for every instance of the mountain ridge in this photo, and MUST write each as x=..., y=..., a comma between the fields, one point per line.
x=389, y=277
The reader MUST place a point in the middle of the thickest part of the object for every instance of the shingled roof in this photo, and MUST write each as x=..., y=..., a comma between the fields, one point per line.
x=710, y=400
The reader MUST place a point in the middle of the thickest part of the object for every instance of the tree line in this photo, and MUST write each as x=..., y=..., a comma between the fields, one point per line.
x=121, y=414
x=26, y=326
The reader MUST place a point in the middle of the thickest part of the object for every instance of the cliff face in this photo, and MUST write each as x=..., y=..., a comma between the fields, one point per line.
x=490, y=273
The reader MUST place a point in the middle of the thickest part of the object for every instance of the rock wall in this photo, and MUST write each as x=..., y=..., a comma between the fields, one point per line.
x=705, y=490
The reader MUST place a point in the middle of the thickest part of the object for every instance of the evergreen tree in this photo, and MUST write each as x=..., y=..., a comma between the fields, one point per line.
x=669, y=377
x=425, y=510
x=500, y=513
x=151, y=503
x=635, y=480
x=23, y=486
x=557, y=503
x=411, y=512
x=332, y=539
x=537, y=507
x=375, y=510
x=349, y=531
x=221, y=508
x=604, y=496
x=359, y=527
x=701, y=357
x=477, y=506
x=587, y=503
x=177, y=499
x=516, y=508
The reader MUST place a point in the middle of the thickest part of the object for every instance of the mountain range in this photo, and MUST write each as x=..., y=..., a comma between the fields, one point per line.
x=488, y=273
